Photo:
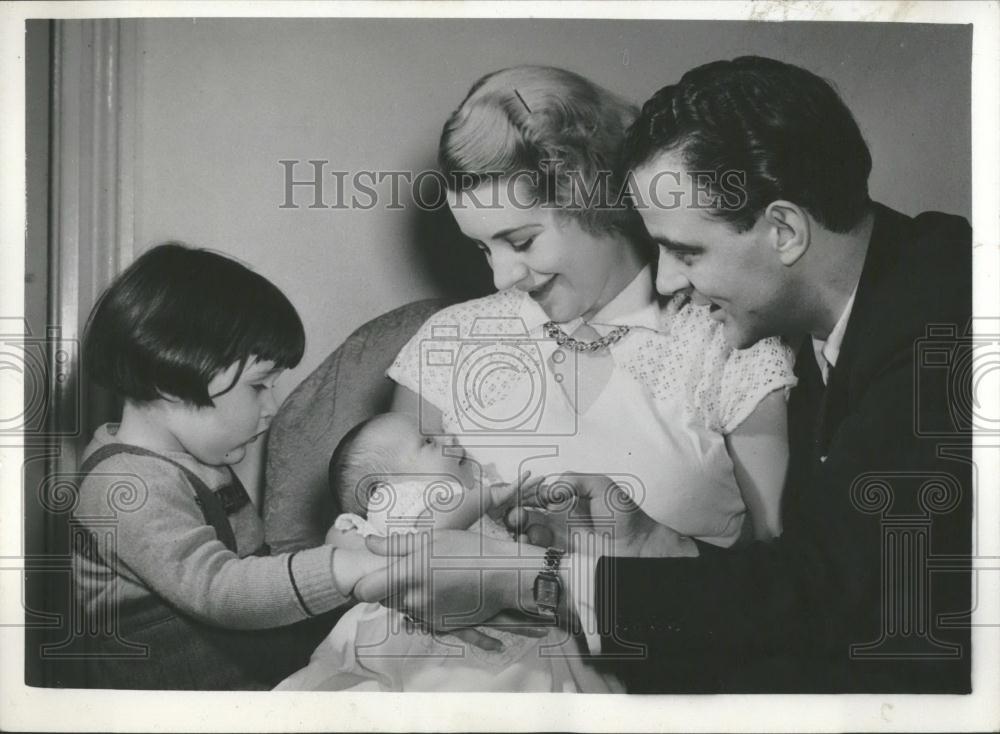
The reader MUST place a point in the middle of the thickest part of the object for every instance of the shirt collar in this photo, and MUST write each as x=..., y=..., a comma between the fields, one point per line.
x=635, y=305
x=828, y=351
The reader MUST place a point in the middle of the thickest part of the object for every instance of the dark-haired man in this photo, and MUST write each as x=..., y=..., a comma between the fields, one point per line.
x=843, y=600
x=857, y=287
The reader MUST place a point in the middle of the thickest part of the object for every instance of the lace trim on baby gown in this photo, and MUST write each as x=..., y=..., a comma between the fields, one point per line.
x=686, y=360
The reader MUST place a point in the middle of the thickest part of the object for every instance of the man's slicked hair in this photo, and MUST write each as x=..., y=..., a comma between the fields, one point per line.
x=782, y=127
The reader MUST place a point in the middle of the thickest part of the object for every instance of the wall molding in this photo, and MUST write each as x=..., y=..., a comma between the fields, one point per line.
x=91, y=200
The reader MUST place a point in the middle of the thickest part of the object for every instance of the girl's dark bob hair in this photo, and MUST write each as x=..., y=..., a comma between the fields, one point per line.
x=178, y=316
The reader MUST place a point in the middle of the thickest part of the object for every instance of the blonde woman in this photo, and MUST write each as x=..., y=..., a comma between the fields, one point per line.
x=574, y=364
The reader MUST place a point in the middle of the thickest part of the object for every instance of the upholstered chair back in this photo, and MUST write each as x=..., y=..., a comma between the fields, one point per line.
x=349, y=386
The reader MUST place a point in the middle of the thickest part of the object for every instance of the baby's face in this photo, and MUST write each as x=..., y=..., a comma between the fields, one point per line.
x=416, y=453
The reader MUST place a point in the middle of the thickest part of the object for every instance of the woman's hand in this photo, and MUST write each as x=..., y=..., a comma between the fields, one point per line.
x=592, y=512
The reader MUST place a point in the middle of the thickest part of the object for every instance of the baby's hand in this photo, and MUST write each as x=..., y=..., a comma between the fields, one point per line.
x=503, y=493
x=344, y=538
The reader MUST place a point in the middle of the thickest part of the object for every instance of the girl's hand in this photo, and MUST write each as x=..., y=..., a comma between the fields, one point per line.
x=347, y=539
x=352, y=564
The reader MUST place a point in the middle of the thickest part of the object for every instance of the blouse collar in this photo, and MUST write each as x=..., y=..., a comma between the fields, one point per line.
x=635, y=305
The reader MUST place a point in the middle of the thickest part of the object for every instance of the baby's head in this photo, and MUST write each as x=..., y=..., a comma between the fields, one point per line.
x=388, y=445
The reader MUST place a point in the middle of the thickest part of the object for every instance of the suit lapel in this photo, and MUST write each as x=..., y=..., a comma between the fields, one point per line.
x=867, y=317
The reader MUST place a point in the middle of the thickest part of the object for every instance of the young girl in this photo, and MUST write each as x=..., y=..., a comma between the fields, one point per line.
x=183, y=582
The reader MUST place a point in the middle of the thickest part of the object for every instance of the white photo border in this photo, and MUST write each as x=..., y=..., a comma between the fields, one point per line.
x=23, y=708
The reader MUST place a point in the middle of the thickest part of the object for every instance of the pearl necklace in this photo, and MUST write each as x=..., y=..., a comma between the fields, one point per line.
x=552, y=331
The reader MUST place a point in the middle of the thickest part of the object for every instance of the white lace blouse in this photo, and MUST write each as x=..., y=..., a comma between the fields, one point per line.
x=651, y=411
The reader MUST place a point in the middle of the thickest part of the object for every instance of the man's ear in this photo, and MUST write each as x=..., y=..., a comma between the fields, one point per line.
x=792, y=231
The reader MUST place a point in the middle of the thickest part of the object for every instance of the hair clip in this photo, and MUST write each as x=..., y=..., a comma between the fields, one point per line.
x=522, y=100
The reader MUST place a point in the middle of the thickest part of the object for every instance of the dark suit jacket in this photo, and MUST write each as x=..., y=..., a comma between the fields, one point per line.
x=848, y=599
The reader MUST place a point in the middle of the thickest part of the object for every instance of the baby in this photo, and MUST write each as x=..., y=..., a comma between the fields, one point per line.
x=387, y=476
x=391, y=478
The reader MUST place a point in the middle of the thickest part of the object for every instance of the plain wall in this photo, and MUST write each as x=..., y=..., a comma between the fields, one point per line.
x=222, y=101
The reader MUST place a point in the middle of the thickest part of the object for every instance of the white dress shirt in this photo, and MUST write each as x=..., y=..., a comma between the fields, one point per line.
x=828, y=351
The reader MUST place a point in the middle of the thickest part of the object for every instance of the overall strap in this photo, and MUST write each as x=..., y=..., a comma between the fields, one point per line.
x=212, y=507
x=234, y=497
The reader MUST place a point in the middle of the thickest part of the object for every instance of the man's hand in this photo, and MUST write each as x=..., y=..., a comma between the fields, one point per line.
x=451, y=579
x=592, y=512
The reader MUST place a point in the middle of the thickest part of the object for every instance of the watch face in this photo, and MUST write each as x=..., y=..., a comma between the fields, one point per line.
x=546, y=593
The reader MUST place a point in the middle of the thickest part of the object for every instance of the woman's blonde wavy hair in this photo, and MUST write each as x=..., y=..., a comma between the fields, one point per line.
x=549, y=122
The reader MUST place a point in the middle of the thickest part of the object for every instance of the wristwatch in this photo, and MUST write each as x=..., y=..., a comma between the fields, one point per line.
x=548, y=587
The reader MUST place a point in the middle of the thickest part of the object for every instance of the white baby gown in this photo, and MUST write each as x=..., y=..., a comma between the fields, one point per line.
x=373, y=648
